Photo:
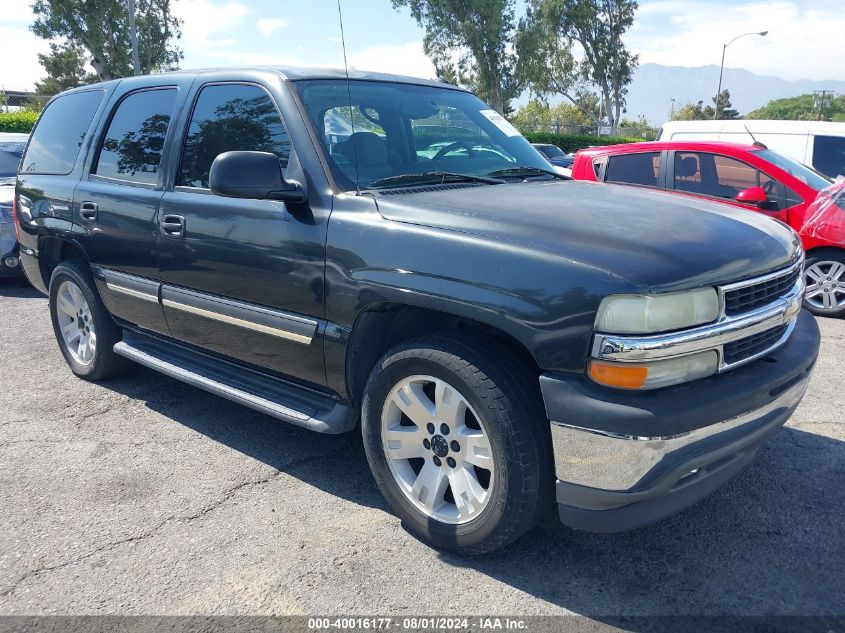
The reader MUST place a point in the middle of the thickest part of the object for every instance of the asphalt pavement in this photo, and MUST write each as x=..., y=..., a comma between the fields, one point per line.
x=142, y=495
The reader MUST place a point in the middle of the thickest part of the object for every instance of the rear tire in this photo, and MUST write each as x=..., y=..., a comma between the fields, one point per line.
x=824, y=274
x=84, y=328
x=458, y=441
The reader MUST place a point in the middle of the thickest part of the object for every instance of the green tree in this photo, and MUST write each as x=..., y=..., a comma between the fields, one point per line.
x=99, y=30
x=469, y=43
x=724, y=107
x=806, y=107
x=690, y=112
x=699, y=112
x=65, y=66
x=597, y=26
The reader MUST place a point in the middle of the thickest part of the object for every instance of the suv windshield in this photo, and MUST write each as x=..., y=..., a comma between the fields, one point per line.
x=807, y=175
x=397, y=129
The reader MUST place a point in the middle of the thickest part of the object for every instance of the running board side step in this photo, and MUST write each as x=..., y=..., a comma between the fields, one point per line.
x=272, y=396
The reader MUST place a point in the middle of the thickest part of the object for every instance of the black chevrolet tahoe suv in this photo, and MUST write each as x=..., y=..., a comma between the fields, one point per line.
x=389, y=253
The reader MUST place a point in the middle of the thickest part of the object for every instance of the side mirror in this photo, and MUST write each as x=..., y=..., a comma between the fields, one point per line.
x=255, y=175
x=753, y=195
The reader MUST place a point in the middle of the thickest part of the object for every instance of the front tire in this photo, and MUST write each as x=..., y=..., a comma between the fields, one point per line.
x=84, y=328
x=824, y=274
x=458, y=441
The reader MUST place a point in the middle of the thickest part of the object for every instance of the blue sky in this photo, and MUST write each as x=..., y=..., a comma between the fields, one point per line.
x=805, y=38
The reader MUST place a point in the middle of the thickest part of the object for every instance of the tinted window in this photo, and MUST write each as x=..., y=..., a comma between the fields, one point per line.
x=721, y=176
x=226, y=118
x=10, y=158
x=59, y=133
x=829, y=155
x=132, y=146
x=634, y=169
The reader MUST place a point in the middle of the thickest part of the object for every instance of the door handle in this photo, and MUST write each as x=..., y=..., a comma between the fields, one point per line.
x=172, y=225
x=88, y=211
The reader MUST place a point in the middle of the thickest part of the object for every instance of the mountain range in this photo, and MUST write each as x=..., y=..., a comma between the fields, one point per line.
x=654, y=85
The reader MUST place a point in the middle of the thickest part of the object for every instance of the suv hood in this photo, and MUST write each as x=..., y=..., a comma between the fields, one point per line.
x=657, y=241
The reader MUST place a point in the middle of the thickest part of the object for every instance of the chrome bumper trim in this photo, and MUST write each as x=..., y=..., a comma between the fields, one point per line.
x=715, y=336
x=608, y=461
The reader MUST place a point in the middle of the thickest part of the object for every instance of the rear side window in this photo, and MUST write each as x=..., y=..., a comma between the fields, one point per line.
x=227, y=118
x=634, y=169
x=829, y=155
x=132, y=146
x=58, y=137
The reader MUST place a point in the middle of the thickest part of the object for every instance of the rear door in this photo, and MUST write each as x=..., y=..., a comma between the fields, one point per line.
x=117, y=203
x=49, y=172
x=242, y=278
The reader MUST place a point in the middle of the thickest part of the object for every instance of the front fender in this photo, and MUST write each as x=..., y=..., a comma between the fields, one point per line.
x=544, y=301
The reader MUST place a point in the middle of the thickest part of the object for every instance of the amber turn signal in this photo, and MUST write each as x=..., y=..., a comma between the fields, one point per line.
x=621, y=376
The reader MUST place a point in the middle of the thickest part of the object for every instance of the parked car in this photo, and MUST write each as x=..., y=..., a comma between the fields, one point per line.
x=820, y=144
x=555, y=155
x=746, y=176
x=11, y=150
x=507, y=338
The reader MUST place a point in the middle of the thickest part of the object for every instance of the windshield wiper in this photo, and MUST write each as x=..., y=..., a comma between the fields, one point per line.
x=526, y=171
x=428, y=177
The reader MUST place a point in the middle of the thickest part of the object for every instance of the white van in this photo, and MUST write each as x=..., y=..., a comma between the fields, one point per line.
x=817, y=143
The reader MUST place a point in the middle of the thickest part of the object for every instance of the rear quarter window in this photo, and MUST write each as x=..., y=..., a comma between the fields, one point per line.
x=58, y=136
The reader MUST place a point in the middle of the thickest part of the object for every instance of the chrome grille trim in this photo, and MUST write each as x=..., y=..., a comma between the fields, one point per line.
x=783, y=311
x=724, y=290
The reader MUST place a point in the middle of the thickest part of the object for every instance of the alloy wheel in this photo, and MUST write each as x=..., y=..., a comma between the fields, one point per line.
x=437, y=449
x=825, y=285
x=76, y=323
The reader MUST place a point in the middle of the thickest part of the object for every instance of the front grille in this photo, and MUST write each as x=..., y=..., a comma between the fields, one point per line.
x=752, y=345
x=747, y=298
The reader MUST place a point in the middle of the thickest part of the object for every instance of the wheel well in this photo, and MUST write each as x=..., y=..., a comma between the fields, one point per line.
x=381, y=328
x=52, y=251
x=826, y=250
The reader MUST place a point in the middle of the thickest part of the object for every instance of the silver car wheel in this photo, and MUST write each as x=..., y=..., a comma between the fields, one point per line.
x=825, y=285
x=437, y=449
x=76, y=323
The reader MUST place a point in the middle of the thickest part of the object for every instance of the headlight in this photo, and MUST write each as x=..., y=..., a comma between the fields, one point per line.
x=646, y=314
x=654, y=374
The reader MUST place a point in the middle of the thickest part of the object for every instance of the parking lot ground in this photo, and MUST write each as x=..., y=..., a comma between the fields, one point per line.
x=146, y=496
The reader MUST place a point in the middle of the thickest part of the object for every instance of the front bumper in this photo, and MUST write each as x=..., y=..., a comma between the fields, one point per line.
x=623, y=460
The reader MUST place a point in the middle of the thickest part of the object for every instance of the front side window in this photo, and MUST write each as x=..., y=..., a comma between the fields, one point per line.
x=59, y=133
x=228, y=118
x=383, y=134
x=132, y=147
x=716, y=175
x=634, y=169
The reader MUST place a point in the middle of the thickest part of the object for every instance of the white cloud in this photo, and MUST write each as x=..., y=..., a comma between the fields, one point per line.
x=267, y=25
x=802, y=40
x=19, y=50
x=403, y=59
x=202, y=19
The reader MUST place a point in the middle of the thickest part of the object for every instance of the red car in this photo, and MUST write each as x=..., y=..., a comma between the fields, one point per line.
x=748, y=177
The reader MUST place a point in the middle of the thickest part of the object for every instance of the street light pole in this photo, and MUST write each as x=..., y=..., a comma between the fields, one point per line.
x=133, y=36
x=722, y=68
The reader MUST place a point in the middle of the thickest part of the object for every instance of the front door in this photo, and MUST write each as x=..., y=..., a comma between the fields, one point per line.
x=242, y=278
